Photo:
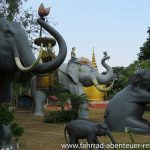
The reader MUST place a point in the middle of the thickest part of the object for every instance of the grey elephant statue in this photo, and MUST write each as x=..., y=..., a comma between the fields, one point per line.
x=16, y=54
x=126, y=108
x=84, y=129
x=77, y=74
x=73, y=76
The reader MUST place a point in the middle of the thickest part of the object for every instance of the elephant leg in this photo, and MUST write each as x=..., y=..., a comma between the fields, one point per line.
x=83, y=112
x=39, y=98
x=138, y=126
x=97, y=142
x=90, y=141
x=73, y=141
x=78, y=143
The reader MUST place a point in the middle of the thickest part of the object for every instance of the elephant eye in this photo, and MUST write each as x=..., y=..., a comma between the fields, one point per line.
x=8, y=33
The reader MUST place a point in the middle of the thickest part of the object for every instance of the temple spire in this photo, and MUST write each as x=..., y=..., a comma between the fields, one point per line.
x=94, y=60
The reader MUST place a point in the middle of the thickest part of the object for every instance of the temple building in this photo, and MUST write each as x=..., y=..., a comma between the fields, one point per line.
x=92, y=93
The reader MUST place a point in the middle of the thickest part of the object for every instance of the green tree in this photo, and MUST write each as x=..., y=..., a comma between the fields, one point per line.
x=62, y=99
x=120, y=80
x=145, y=64
x=10, y=8
x=77, y=100
x=6, y=115
x=123, y=74
x=13, y=10
x=144, y=53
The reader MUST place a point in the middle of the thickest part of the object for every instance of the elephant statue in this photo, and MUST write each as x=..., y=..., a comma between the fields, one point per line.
x=76, y=74
x=84, y=129
x=16, y=54
x=126, y=108
x=73, y=76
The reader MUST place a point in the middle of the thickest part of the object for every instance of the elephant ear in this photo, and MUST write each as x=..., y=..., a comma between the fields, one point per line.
x=73, y=71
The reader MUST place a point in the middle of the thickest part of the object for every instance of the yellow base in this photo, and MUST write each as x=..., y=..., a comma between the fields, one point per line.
x=93, y=94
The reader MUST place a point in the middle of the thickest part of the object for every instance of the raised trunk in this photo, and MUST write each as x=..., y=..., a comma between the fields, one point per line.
x=27, y=57
x=55, y=63
x=102, y=79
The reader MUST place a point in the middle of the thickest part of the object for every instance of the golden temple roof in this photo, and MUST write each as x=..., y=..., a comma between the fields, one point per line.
x=94, y=64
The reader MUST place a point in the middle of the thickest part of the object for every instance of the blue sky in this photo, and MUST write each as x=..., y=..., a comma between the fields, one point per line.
x=118, y=27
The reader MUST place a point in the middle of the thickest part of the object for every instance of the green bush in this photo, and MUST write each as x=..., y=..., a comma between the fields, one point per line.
x=7, y=118
x=66, y=115
x=60, y=116
x=17, y=130
x=62, y=99
x=6, y=115
x=76, y=100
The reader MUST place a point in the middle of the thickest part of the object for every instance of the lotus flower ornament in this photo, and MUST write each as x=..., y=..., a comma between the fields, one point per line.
x=42, y=11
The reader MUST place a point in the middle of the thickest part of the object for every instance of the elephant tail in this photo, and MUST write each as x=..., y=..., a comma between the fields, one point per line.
x=65, y=133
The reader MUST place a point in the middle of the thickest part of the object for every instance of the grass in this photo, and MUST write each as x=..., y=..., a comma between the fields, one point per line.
x=42, y=136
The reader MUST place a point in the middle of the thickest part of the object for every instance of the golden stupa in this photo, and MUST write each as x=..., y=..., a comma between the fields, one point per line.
x=92, y=93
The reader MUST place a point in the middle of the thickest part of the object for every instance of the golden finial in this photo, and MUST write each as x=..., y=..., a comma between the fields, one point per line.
x=93, y=60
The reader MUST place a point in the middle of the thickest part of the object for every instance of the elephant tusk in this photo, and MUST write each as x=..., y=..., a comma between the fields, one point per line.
x=29, y=68
x=101, y=87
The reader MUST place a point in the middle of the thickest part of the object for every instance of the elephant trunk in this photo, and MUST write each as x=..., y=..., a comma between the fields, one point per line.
x=25, y=59
x=102, y=79
x=101, y=88
x=55, y=63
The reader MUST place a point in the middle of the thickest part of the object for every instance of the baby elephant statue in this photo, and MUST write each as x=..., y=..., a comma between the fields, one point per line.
x=84, y=129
